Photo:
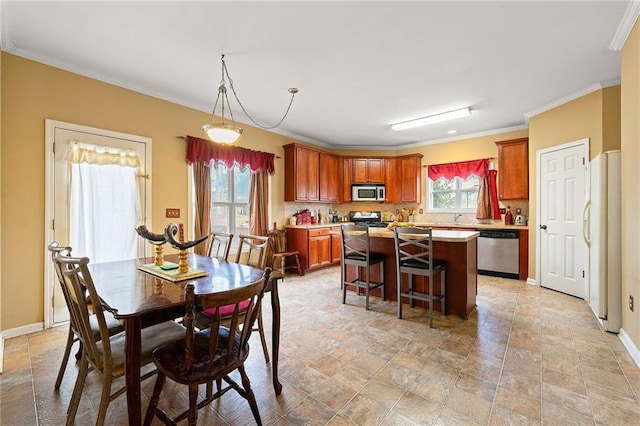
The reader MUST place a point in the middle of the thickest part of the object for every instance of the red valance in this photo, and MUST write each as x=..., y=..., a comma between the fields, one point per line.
x=206, y=151
x=463, y=169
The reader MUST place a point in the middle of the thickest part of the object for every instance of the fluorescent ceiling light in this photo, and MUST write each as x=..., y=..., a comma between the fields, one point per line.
x=437, y=118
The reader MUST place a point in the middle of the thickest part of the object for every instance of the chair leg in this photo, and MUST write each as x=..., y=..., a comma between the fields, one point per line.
x=193, y=404
x=153, y=403
x=444, y=295
x=431, y=300
x=65, y=358
x=104, y=399
x=77, y=391
x=366, y=291
x=344, y=285
x=300, y=271
x=262, y=338
x=399, y=281
x=246, y=384
x=411, y=301
x=382, y=280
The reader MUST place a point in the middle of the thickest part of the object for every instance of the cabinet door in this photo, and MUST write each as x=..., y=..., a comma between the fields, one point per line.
x=359, y=169
x=410, y=179
x=301, y=173
x=392, y=181
x=324, y=250
x=329, y=184
x=336, y=249
x=375, y=170
x=313, y=175
x=347, y=179
x=313, y=258
x=513, y=169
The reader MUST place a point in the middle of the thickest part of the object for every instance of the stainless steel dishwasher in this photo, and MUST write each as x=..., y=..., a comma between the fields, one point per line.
x=498, y=253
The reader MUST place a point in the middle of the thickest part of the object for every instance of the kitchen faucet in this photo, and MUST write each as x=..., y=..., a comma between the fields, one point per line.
x=456, y=216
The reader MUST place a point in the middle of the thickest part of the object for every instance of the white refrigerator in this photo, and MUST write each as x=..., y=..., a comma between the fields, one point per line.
x=603, y=233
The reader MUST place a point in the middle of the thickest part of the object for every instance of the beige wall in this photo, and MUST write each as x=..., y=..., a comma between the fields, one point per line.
x=31, y=93
x=630, y=100
x=595, y=116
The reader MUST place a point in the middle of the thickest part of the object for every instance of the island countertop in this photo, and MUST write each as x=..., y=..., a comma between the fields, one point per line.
x=437, y=235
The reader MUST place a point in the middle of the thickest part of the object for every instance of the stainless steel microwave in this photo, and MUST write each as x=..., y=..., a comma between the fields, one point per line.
x=367, y=193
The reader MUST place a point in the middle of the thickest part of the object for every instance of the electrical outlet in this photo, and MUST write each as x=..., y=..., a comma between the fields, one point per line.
x=172, y=213
x=397, y=211
x=421, y=211
x=503, y=211
x=631, y=303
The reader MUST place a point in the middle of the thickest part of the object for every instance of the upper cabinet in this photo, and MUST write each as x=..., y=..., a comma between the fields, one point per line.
x=403, y=179
x=310, y=175
x=329, y=177
x=513, y=169
x=368, y=170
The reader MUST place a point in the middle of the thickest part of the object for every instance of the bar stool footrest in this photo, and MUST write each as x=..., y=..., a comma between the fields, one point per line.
x=425, y=297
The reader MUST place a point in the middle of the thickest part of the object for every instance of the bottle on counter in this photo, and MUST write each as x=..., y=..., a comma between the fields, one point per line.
x=508, y=216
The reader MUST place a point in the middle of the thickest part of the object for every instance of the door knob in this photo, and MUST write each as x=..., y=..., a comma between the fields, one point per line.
x=543, y=226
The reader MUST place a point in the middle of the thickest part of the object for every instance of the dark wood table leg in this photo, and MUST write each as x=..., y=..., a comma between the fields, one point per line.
x=132, y=348
x=275, y=334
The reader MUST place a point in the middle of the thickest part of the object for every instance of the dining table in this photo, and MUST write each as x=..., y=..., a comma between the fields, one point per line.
x=140, y=299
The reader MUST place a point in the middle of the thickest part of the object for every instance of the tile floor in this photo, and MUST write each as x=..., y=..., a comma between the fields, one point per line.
x=527, y=356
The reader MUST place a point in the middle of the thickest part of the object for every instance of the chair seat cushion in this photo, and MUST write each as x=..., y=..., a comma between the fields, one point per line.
x=152, y=337
x=170, y=359
x=373, y=257
x=226, y=310
x=413, y=263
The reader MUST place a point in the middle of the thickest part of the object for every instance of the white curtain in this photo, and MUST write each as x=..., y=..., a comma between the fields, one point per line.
x=105, y=203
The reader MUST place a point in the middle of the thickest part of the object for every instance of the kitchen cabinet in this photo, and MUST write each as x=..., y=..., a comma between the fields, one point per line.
x=329, y=169
x=403, y=179
x=336, y=249
x=368, y=170
x=513, y=169
x=346, y=179
x=410, y=178
x=317, y=248
x=310, y=175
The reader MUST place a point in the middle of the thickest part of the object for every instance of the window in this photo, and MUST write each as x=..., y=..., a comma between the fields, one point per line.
x=230, y=200
x=453, y=195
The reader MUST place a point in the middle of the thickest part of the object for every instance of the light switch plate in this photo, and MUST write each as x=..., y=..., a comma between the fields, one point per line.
x=173, y=213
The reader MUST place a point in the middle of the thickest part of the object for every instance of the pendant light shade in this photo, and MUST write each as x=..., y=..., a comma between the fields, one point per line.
x=222, y=133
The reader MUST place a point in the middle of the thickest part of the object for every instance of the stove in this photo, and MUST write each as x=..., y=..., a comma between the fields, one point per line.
x=373, y=219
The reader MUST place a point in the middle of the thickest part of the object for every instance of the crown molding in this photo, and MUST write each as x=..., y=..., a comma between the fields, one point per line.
x=6, y=10
x=626, y=25
x=572, y=96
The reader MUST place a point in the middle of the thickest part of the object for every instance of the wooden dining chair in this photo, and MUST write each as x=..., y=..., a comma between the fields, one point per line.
x=212, y=353
x=252, y=251
x=104, y=356
x=280, y=256
x=220, y=245
x=113, y=325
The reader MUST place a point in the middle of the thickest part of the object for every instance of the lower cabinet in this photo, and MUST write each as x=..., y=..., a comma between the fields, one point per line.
x=317, y=247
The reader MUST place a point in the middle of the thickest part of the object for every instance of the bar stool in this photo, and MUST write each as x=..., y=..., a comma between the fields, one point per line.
x=356, y=252
x=414, y=256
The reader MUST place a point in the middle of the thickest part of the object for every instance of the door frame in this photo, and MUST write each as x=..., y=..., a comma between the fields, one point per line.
x=49, y=200
x=538, y=232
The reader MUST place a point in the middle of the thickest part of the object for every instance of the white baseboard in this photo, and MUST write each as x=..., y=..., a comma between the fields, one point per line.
x=15, y=332
x=25, y=329
x=631, y=347
x=531, y=281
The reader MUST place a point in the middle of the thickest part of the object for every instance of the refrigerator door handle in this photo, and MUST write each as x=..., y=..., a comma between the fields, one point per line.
x=585, y=223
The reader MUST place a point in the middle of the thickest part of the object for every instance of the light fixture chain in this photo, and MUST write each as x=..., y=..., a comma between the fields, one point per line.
x=226, y=72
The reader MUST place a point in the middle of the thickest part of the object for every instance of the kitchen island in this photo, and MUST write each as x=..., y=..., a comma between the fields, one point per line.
x=458, y=248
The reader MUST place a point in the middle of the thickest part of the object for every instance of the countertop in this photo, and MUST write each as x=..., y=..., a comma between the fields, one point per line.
x=437, y=235
x=421, y=224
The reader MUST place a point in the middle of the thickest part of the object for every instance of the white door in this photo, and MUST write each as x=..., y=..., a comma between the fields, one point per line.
x=563, y=255
x=119, y=192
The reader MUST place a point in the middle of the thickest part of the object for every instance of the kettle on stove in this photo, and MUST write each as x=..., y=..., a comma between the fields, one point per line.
x=519, y=220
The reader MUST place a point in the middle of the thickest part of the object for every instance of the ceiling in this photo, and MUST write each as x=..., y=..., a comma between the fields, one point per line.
x=359, y=66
